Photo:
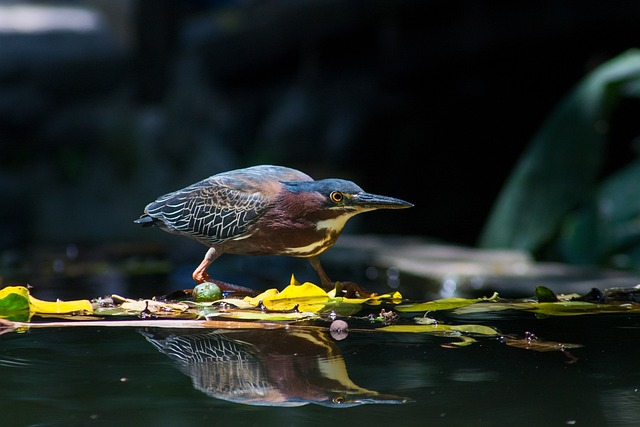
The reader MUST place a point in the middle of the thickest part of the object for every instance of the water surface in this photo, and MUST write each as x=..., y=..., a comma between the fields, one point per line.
x=118, y=376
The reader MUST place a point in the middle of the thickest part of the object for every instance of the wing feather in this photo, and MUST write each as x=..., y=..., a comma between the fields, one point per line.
x=223, y=206
x=208, y=212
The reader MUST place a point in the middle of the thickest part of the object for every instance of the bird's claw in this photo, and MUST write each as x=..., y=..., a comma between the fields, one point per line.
x=201, y=277
x=352, y=290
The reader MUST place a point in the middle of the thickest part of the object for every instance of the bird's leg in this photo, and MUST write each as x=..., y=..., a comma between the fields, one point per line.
x=326, y=282
x=200, y=274
x=348, y=289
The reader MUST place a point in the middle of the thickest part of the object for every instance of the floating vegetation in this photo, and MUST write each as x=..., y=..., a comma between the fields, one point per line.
x=307, y=306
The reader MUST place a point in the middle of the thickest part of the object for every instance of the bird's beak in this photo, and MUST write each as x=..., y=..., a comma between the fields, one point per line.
x=367, y=201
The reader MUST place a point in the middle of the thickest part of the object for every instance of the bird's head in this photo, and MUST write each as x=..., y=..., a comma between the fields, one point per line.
x=338, y=197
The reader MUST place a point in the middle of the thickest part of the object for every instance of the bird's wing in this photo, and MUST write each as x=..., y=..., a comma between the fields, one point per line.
x=209, y=211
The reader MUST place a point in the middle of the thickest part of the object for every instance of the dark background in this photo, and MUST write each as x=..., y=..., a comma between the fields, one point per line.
x=429, y=101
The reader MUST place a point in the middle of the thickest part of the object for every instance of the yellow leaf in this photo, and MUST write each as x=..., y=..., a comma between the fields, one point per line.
x=464, y=342
x=37, y=306
x=242, y=304
x=59, y=307
x=394, y=298
x=20, y=290
x=307, y=296
x=352, y=300
x=264, y=295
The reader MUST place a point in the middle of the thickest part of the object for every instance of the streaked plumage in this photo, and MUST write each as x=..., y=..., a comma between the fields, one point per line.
x=263, y=210
x=221, y=207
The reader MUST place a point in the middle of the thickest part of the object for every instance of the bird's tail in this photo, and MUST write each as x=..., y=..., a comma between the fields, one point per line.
x=146, y=221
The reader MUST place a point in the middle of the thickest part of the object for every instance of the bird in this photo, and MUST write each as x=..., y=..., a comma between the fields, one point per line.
x=263, y=210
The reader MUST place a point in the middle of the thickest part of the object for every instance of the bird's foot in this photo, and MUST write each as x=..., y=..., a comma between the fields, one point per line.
x=226, y=288
x=351, y=290
x=200, y=276
x=230, y=289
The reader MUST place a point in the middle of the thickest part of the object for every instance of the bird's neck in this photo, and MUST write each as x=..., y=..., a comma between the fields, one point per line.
x=333, y=224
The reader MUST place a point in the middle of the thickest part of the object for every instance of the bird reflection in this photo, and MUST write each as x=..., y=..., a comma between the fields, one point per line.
x=265, y=367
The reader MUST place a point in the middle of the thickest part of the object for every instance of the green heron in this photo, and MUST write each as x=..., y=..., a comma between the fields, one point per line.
x=263, y=210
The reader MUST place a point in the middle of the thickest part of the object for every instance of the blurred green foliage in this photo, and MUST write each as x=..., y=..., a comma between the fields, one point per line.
x=556, y=204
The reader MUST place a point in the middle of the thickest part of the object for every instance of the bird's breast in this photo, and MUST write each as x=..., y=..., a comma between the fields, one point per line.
x=314, y=248
x=323, y=236
x=297, y=239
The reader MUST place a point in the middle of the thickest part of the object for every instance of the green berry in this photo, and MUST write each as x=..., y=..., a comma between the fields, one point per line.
x=207, y=292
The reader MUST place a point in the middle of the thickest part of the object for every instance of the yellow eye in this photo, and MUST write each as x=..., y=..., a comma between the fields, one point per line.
x=336, y=196
x=338, y=399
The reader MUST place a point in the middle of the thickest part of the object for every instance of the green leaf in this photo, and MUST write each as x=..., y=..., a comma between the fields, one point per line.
x=441, y=329
x=436, y=305
x=341, y=308
x=494, y=307
x=574, y=308
x=13, y=299
x=560, y=308
x=544, y=294
x=561, y=164
x=593, y=234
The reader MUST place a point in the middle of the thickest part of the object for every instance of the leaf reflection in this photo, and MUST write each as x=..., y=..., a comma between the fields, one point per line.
x=269, y=368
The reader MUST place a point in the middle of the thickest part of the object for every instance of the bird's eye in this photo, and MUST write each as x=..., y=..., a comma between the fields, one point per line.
x=336, y=196
x=338, y=399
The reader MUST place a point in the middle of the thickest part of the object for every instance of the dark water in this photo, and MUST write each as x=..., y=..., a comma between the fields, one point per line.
x=133, y=377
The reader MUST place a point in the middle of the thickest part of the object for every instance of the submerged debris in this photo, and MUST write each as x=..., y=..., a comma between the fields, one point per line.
x=389, y=317
x=145, y=308
x=339, y=329
x=623, y=294
x=532, y=342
